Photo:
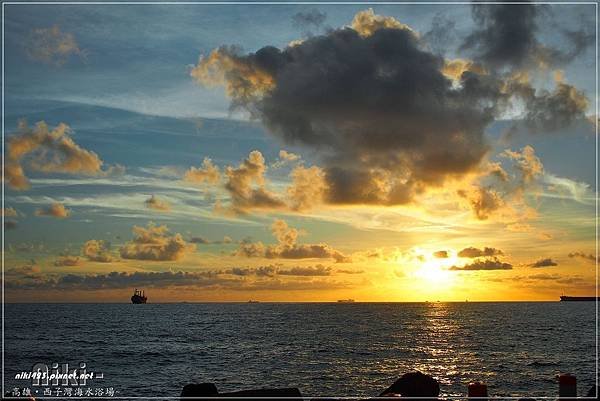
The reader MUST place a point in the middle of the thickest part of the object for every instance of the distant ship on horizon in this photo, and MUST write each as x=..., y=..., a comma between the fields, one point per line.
x=138, y=297
x=345, y=301
x=566, y=298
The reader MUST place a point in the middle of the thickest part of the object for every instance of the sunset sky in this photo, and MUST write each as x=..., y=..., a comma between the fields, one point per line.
x=299, y=152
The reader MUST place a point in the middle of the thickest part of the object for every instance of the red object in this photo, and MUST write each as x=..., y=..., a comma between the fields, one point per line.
x=477, y=389
x=567, y=385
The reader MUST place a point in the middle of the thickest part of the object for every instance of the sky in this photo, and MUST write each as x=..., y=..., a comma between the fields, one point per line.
x=297, y=152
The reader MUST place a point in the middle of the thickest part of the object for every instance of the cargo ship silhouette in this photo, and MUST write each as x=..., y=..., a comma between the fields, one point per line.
x=566, y=298
x=138, y=297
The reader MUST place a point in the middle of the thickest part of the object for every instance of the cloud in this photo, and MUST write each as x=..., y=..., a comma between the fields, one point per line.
x=67, y=261
x=10, y=224
x=396, y=121
x=31, y=278
x=246, y=186
x=98, y=251
x=208, y=173
x=552, y=110
x=318, y=270
x=9, y=212
x=52, y=46
x=308, y=187
x=48, y=151
x=57, y=210
x=546, y=262
x=507, y=36
x=199, y=240
x=483, y=201
x=472, y=252
x=496, y=192
x=486, y=264
x=441, y=254
x=288, y=248
x=311, y=18
x=271, y=271
x=528, y=164
x=154, y=243
x=585, y=256
x=404, y=128
x=285, y=157
x=441, y=34
x=345, y=271
x=366, y=23
x=157, y=204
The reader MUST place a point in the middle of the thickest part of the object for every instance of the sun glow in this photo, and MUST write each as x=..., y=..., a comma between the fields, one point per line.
x=435, y=270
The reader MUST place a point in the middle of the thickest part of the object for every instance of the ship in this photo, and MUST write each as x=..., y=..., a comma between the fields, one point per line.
x=345, y=301
x=566, y=298
x=138, y=297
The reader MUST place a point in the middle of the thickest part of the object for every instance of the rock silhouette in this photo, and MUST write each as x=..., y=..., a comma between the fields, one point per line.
x=594, y=393
x=413, y=384
x=196, y=391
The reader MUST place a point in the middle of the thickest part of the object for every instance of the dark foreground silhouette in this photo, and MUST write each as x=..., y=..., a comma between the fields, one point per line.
x=410, y=386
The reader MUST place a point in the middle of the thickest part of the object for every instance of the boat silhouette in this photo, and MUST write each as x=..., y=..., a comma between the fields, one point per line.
x=138, y=297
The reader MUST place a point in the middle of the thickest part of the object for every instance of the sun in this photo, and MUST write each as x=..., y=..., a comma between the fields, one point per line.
x=435, y=270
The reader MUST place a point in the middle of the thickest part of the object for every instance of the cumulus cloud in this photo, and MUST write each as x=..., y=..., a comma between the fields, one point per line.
x=155, y=203
x=288, y=248
x=582, y=255
x=285, y=157
x=246, y=186
x=67, y=261
x=9, y=212
x=508, y=36
x=528, y=164
x=551, y=110
x=441, y=254
x=484, y=264
x=98, y=251
x=155, y=243
x=366, y=23
x=52, y=46
x=57, y=210
x=472, y=252
x=48, y=151
x=483, y=201
x=545, y=262
x=415, y=121
x=410, y=127
x=495, y=192
x=208, y=173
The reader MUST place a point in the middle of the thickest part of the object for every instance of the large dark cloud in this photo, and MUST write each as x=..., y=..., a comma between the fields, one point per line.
x=387, y=117
x=377, y=107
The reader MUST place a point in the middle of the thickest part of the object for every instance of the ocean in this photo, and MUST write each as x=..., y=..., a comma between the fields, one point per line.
x=325, y=349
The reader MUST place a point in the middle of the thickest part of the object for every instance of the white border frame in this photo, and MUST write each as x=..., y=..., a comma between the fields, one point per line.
x=365, y=2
